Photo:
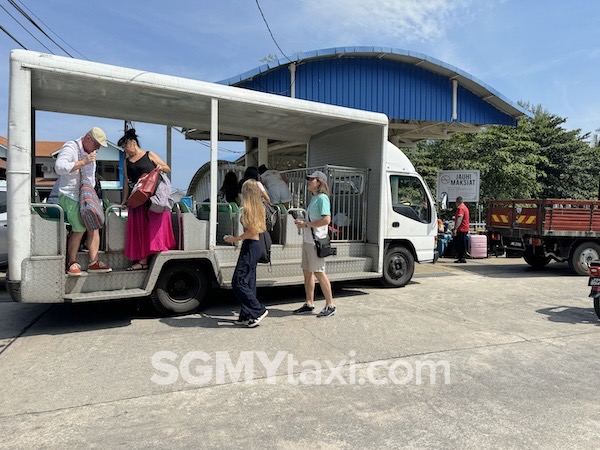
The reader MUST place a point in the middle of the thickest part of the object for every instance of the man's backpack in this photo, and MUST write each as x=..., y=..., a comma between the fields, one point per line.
x=271, y=215
x=265, y=240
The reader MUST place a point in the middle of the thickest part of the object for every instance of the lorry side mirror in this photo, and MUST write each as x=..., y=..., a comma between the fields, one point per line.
x=444, y=201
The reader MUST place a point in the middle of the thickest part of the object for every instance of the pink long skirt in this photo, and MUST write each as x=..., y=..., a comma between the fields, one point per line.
x=148, y=233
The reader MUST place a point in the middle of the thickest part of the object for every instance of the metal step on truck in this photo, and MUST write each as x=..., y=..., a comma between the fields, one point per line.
x=383, y=213
x=543, y=230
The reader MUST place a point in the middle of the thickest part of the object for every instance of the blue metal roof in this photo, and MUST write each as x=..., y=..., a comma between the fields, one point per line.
x=407, y=86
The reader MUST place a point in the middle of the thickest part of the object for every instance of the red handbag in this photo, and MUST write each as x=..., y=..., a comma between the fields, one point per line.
x=144, y=188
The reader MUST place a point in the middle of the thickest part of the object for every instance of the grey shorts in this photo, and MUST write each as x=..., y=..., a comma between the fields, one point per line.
x=310, y=261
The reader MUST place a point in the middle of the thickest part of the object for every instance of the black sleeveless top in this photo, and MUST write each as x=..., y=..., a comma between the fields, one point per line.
x=137, y=169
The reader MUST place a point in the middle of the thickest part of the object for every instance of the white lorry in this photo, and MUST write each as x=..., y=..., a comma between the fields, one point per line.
x=384, y=215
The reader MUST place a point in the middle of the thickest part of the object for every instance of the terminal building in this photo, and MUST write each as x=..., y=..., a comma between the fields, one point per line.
x=424, y=98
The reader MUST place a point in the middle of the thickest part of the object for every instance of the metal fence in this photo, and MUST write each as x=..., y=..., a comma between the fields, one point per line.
x=347, y=193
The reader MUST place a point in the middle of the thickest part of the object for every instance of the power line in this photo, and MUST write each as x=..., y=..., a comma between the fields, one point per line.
x=12, y=37
x=270, y=32
x=23, y=26
x=33, y=22
x=52, y=31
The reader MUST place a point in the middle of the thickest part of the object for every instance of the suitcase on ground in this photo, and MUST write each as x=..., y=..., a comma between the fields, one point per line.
x=442, y=243
x=478, y=246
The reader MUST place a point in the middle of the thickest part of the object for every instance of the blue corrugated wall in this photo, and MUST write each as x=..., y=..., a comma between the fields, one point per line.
x=402, y=91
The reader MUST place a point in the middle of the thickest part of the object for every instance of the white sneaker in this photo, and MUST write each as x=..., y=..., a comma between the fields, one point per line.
x=254, y=322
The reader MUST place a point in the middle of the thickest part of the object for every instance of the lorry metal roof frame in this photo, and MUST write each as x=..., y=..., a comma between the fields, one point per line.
x=60, y=84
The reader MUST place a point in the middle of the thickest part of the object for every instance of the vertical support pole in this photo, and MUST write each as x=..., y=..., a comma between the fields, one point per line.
x=18, y=171
x=169, y=148
x=214, y=154
x=292, y=68
x=454, y=100
x=263, y=151
x=248, y=159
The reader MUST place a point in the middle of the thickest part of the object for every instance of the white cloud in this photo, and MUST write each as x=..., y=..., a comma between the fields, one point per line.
x=410, y=20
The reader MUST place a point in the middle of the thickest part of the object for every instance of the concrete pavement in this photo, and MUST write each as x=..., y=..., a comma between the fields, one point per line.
x=519, y=348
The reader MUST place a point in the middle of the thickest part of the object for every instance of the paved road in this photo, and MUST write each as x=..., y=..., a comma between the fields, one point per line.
x=514, y=352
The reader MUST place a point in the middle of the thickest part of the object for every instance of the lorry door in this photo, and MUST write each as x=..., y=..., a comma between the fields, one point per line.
x=411, y=214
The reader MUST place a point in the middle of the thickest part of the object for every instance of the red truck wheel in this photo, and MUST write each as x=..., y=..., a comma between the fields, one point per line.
x=582, y=255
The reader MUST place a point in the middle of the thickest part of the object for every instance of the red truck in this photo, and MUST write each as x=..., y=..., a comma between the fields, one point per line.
x=545, y=230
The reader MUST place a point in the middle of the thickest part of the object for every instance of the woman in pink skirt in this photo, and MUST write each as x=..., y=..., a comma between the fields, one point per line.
x=147, y=232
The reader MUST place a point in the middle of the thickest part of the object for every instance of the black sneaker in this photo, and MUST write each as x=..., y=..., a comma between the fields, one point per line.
x=304, y=309
x=327, y=311
x=243, y=319
x=254, y=322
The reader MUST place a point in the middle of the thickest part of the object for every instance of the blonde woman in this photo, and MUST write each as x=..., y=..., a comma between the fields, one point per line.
x=244, y=277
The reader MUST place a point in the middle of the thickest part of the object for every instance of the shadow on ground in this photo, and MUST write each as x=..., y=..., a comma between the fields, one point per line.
x=41, y=319
x=570, y=314
x=508, y=269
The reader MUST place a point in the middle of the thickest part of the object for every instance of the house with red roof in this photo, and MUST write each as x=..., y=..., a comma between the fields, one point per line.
x=110, y=163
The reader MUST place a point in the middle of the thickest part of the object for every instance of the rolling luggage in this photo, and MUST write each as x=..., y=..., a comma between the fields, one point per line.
x=442, y=243
x=477, y=246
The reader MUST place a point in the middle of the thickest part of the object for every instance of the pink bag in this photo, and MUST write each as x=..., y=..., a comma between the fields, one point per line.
x=144, y=188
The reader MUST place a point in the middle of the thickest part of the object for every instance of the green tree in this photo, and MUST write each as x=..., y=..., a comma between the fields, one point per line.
x=536, y=159
x=569, y=167
x=508, y=161
x=505, y=157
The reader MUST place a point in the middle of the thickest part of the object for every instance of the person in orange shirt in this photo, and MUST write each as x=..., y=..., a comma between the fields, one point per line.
x=461, y=230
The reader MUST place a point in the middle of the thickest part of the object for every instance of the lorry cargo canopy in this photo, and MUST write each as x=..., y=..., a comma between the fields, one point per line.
x=72, y=86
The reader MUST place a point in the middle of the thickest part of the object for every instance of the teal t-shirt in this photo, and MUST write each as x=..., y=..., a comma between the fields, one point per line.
x=318, y=207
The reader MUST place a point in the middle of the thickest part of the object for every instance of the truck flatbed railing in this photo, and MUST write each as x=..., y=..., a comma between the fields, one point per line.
x=546, y=216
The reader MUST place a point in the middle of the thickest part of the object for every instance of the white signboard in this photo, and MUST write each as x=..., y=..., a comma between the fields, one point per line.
x=458, y=183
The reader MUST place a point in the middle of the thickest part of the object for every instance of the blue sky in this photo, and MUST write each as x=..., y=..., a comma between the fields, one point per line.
x=539, y=51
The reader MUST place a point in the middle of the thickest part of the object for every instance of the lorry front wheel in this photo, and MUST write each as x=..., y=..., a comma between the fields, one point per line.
x=582, y=256
x=398, y=267
x=181, y=288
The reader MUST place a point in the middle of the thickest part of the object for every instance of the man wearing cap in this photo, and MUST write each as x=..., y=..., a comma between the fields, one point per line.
x=316, y=225
x=77, y=159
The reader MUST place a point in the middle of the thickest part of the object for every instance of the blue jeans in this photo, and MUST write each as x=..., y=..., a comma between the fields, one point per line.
x=244, y=279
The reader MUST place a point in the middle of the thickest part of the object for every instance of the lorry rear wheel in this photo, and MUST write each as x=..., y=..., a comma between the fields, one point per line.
x=582, y=256
x=398, y=267
x=536, y=261
x=181, y=288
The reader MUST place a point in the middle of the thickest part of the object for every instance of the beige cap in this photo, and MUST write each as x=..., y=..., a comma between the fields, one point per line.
x=98, y=135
